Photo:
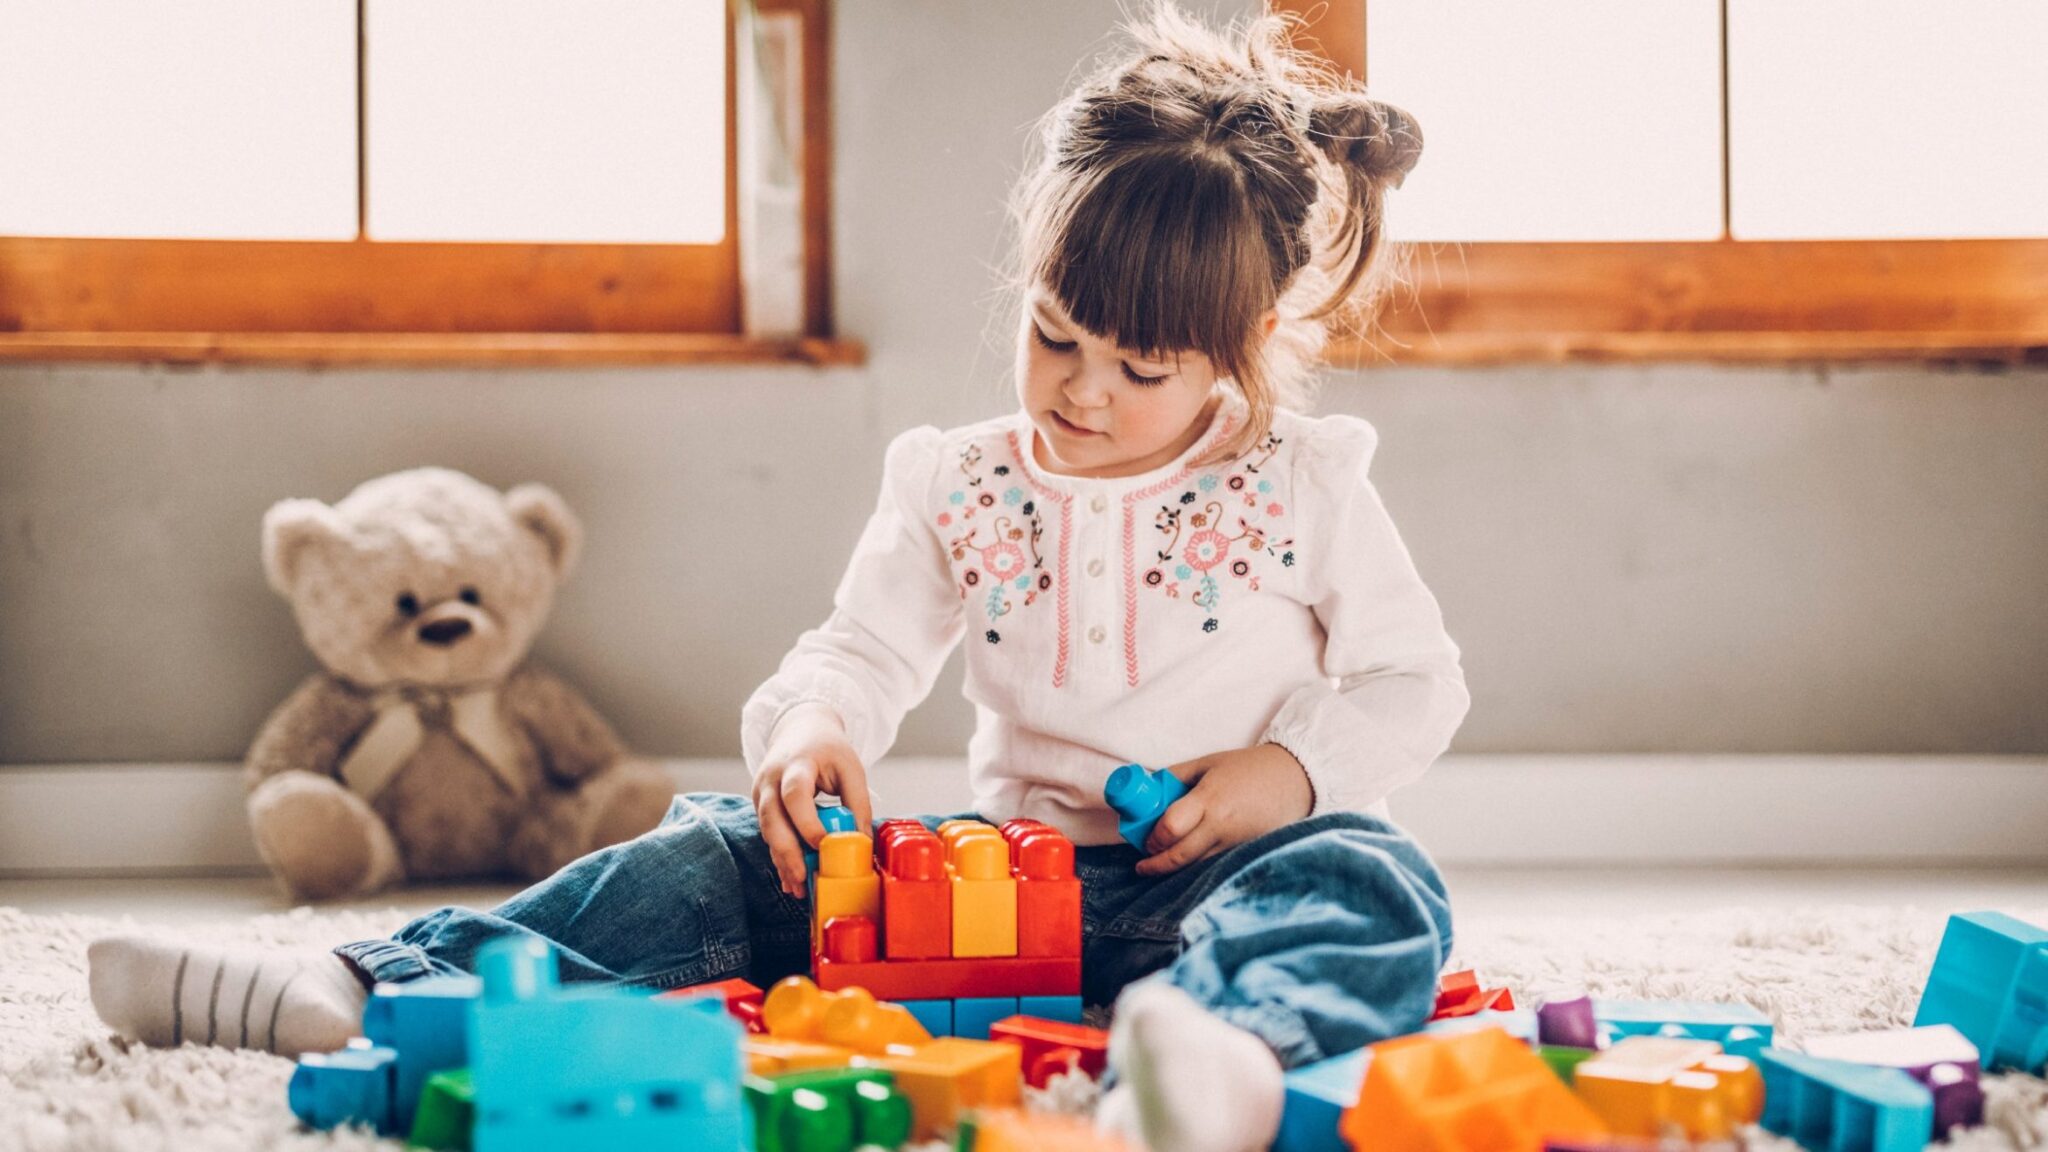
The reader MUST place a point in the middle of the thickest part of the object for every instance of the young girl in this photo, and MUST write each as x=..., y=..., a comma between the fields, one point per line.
x=1154, y=559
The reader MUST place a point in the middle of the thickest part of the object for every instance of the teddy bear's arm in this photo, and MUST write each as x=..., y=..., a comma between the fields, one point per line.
x=308, y=732
x=574, y=741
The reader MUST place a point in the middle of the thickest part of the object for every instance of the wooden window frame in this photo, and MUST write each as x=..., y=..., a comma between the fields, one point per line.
x=1724, y=300
x=363, y=301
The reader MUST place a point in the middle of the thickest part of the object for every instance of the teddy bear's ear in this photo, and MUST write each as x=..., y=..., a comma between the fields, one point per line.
x=540, y=511
x=292, y=531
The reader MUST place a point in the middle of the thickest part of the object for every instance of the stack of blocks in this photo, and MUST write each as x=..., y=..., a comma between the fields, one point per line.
x=1990, y=981
x=962, y=926
x=411, y=1032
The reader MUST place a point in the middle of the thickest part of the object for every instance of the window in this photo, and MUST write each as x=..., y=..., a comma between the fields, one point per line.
x=1711, y=179
x=378, y=180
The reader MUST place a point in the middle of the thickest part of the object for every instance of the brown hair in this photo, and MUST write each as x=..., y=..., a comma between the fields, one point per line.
x=1237, y=170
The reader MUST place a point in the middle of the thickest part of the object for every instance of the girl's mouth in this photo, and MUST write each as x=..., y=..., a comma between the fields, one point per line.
x=1071, y=428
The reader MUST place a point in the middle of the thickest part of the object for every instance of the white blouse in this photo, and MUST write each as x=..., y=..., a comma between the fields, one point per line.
x=1144, y=619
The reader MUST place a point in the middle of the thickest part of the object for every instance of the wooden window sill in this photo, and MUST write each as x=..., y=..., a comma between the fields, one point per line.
x=446, y=348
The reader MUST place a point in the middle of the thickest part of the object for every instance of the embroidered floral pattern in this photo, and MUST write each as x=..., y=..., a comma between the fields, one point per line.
x=992, y=533
x=1216, y=535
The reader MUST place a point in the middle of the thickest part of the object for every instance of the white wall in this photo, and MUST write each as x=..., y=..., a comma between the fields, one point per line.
x=1662, y=559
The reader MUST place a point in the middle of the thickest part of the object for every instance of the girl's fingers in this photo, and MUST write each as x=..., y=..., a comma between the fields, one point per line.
x=800, y=800
x=1190, y=848
x=783, y=846
x=1182, y=817
x=850, y=780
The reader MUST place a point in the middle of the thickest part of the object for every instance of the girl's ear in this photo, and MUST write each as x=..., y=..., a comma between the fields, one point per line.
x=1271, y=321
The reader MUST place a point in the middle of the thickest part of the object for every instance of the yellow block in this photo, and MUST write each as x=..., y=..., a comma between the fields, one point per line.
x=1656, y=1086
x=947, y=1076
x=984, y=898
x=772, y=1056
x=846, y=884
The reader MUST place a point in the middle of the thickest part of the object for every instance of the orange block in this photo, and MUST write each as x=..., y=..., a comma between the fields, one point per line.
x=852, y=1019
x=846, y=884
x=1660, y=1085
x=950, y=1075
x=1048, y=893
x=984, y=896
x=1481, y=1089
x=1003, y=1130
x=769, y=1056
x=917, y=902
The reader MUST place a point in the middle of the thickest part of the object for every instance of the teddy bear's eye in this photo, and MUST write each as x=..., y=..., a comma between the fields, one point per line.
x=408, y=604
x=471, y=596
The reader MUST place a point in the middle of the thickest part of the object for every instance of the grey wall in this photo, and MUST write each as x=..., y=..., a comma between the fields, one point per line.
x=1669, y=558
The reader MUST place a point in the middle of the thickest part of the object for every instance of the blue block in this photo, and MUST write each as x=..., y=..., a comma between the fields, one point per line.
x=1739, y=1029
x=1317, y=1095
x=1065, y=1009
x=426, y=1022
x=1990, y=980
x=1140, y=797
x=935, y=1015
x=1517, y=1022
x=1835, y=1106
x=597, y=1067
x=972, y=1016
x=835, y=818
x=352, y=1086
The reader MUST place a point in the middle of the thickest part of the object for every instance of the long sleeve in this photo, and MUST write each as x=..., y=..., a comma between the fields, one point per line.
x=895, y=616
x=1395, y=693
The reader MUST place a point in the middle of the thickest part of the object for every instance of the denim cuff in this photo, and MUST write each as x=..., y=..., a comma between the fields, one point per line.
x=389, y=962
x=1282, y=1029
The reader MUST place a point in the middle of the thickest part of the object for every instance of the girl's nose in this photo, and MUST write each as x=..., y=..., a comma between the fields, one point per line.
x=1086, y=389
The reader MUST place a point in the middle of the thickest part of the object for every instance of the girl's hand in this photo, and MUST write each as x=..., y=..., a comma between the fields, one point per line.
x=1234, y=797
x=807, y=755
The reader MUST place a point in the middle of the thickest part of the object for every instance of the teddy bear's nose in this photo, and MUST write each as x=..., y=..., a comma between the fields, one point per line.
x=444, y=632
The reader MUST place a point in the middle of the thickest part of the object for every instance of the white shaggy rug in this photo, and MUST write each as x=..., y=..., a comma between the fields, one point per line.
x=66, y=1083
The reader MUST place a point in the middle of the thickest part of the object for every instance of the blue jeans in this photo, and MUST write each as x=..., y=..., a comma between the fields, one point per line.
x=1318, y=938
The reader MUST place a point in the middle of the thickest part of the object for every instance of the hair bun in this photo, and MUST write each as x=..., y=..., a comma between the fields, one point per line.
x=1376, y=137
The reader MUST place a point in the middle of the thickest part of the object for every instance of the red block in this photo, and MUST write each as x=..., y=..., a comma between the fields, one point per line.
x=953, y=979
x=1048, y=893
x=852, y=939
x=1461, y=995
x=1051, y=1046
x=917, y=905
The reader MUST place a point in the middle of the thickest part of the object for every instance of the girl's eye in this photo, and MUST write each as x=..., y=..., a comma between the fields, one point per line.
x=1140, y=381
x=1048, y=343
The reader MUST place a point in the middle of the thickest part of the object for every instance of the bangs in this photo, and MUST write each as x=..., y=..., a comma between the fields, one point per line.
x=1155, y=253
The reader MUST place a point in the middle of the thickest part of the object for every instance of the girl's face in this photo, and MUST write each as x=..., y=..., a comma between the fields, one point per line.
x=1102, y=411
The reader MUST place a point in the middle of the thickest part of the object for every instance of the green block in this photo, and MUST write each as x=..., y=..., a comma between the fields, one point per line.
x=446, y=1113
x=827, y=1110
x=1565, y=1061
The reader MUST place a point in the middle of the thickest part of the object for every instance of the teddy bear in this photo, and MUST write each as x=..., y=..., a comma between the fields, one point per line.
x=428, y=747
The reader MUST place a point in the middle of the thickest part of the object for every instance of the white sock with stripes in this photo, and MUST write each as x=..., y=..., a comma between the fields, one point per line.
x=165, y=994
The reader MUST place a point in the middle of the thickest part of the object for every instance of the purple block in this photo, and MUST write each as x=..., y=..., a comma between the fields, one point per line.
x=1938, y=1056
x=1567, y=1023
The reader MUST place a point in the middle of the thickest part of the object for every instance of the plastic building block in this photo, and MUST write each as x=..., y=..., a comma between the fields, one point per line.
x=1656, y=1085
x=596, y=1068
x=1990, y=980
x=954, y=979
x=1937, y=1056
x=1005, y=1130
x=1517, y=1022
x=917, y=902
x=1481, y=1089
x=973, y=1014
x=948, y=1076
x=446, y=1113
x=1317, y=1096
x=742, y=1000
x=935, y=1015
x=1065, y=1009
x=426, y=1022
x=854, y=939
x=835, y=1110
x=1567, y=1023
x=853, y=1019
x=768, y=1056
x=1461, y=995
x=1048, y=892
x=835, y=818
x=846, y=883
x=1052, y=1047
x=1565, y=1060
x=1140, y=797
x=984, y=898
x=1739, y=1029
x=351, y=1086
x=1830, y=1106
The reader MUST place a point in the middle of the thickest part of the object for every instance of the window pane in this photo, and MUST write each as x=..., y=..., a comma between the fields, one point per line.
x=178, y=119
x=546, y=121
x=1573, y=120
x=1896, y=119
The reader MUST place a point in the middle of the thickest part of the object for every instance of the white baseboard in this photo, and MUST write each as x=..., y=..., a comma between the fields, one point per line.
x=161, y=819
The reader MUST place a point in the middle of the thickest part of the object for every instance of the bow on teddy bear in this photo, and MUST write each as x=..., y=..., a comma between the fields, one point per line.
x=428, y=747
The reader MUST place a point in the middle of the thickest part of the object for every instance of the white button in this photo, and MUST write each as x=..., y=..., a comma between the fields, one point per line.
x=1096, y=634
x=1095, y=566
x=1100, y=502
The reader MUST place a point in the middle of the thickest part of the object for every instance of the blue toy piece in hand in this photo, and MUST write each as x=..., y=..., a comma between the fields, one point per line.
x=835, y=818
x=1140, y=797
